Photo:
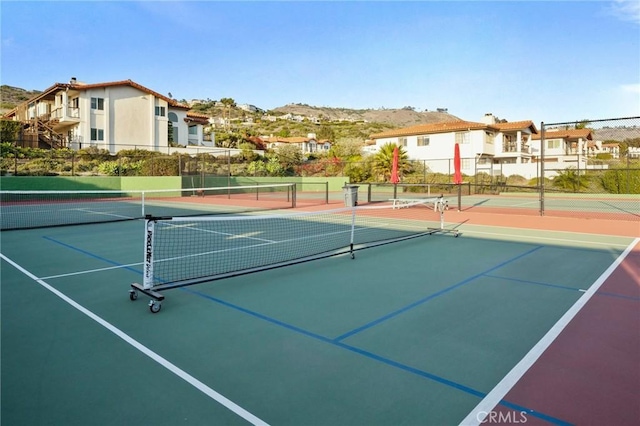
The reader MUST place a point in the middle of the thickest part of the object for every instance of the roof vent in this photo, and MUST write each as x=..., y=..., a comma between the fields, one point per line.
x=73, y=80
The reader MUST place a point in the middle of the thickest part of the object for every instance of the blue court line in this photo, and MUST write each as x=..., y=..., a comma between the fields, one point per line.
x=562, y=287
x=431, y=296
x=538, y=283
x=373, y=356
x=95, y=256
x=620, y=296
x=342, y=345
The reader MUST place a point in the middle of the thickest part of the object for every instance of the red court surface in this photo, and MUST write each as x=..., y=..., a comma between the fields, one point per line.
x=590, y=373
x=594, y=363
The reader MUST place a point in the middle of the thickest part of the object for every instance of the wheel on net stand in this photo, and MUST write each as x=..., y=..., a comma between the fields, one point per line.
x=155, y=306
x=133, y=295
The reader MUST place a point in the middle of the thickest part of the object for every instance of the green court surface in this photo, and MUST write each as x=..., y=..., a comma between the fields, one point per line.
x=416, y=332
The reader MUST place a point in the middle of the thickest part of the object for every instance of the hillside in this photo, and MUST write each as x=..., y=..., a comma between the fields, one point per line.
x=11, y=96
x=395, y=117
x=617, y=134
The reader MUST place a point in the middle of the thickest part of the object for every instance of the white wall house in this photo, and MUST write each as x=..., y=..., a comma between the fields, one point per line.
x=307, y=145
x=570, y=149
x=113, y=116
x=490, y=147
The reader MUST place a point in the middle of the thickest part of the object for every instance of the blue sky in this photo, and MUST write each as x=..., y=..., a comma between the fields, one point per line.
x=548, y=61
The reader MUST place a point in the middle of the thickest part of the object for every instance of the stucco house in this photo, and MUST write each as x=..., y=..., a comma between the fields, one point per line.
x=113, y=116
x=612, y=148
x=488, y=146
x=565, y=149
x=307, y=145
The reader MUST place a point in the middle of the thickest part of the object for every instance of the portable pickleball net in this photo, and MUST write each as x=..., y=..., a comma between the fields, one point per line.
x=182, y=251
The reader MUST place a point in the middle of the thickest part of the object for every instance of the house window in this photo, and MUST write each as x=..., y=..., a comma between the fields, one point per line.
x=160, y=111
x=402, y=141
x=465, y=163
x=553, y=143
x=462, y=138
x=97, y=103
x=97, y=134
x=423, y=140
x=490, y=137
x=193, y=130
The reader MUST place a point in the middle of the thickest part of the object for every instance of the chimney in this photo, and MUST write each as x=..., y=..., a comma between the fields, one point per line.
x=73, y=80
x=489, y=118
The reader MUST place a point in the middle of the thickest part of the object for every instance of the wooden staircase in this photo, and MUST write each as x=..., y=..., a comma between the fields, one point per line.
x=40, y=134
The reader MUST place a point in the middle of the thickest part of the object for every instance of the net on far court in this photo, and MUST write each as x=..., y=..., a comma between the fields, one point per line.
x=182, y=251
x=38, y=209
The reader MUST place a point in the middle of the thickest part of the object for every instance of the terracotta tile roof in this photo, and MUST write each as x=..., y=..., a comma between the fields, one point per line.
x=454, y=126
x=517, y=125
x=194, y=117
x=197, y=115
x=295, y=139
x=566, y=134
x=424, y=129
x=82, y=86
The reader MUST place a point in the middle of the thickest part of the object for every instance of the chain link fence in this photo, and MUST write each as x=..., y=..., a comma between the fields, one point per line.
x=581, y=168
x=591, y=168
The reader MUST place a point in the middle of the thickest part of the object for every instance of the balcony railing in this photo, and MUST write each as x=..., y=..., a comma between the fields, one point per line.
x=59, y=113
x=512, y=147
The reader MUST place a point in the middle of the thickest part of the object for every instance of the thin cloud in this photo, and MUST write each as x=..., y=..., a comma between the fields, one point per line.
x=631, y=88
x=626, y=10
x=8, y=42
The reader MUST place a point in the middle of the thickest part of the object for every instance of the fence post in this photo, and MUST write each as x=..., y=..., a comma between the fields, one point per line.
x=541, y=183
x=326, y=192
x=628, y=173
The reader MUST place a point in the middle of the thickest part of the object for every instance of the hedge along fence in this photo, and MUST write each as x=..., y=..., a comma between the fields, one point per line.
x=85, y=164
x=72, y=183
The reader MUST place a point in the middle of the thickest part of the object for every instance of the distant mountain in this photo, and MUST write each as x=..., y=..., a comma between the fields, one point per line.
x=404, y=117
x=617, y=134
x=11, y=96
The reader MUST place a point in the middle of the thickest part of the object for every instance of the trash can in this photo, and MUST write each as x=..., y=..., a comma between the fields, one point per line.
x=350, y=195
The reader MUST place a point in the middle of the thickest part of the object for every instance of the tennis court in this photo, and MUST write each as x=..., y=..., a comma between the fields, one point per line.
x=433, y=330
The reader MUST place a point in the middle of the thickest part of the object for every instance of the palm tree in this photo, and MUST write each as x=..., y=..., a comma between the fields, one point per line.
x=383, y=161
x=569, y=179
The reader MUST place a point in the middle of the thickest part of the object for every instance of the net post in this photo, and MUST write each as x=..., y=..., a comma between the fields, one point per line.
x=353, y=230
x=142, y=202
x=293, y=195
x=147, y=271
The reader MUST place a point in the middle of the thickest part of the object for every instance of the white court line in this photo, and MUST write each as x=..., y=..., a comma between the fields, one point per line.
x=99, y=213
x=536, y=237
x=482, y=410
x=148, y=352
x=90, y=271
x=190, y=227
